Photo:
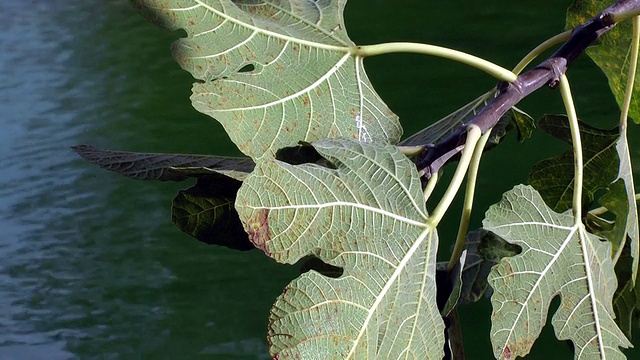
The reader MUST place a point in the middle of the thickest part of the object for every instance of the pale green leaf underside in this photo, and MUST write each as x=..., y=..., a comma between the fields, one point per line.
x=558, y=258
x=626, y=174
x=366, y=216
x=302, y=83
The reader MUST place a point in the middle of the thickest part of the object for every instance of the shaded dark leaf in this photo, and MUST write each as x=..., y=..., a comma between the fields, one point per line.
x=626, y=300
x=484, y=249
x=449, y=286
x=615, y=200
x=206, y=211
x=454, y=347
x=164, y=167
x=554, y=178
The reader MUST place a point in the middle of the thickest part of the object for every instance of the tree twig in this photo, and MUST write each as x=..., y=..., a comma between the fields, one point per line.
x=546, y=73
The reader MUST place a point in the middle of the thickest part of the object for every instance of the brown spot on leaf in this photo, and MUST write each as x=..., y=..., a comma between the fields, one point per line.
x=258, y=229
x=507, y=353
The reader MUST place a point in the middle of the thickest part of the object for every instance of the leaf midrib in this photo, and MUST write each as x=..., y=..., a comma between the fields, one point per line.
x=401, y=266
x=542, y=275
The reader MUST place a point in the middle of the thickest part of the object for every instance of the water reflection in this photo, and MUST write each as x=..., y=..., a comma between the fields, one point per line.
x=91, y=264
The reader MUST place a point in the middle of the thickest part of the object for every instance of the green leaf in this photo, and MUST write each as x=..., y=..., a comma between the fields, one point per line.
x=449, y=284
x=165, y=167
x=626, y=300
x=611, y=53
x=615, y=200
x=275, y=73
x=484, y=250
x=522, y=121
x=206, y=211
x=454, y=297
x=558, y=258
x=554, y=178
x=366, y=215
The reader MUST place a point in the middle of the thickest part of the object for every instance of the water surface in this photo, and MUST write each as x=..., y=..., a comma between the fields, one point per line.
x=92, y=266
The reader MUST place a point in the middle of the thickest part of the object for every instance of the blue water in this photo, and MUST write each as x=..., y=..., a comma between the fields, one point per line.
x=90, y=264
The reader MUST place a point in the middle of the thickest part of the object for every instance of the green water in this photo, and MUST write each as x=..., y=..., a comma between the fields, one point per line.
x=91, y=266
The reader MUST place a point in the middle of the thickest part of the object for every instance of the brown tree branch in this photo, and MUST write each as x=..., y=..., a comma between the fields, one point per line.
x=546, y=73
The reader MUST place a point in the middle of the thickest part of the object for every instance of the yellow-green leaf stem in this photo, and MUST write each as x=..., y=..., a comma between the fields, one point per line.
x=490, y=68
x=431, y=184
x=411, y=150
x=567, y=99
x=622, y=16
x=552, y=41
x=631, y=77
x=473, y=136
x=603, y=210
x=468, y=200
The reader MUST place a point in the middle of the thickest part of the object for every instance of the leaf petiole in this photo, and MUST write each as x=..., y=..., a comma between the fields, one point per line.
x=431, y=184
x=468, y=200
x=624, y=15
x=569, y=105
x=490, y=68
x=603, y=210
x=473, y=136
x=554, y=40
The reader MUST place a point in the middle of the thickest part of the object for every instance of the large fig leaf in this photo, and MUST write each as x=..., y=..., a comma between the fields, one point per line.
x=611, y=53
x=274, y=73
x=365, y=214
x=558, y=258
